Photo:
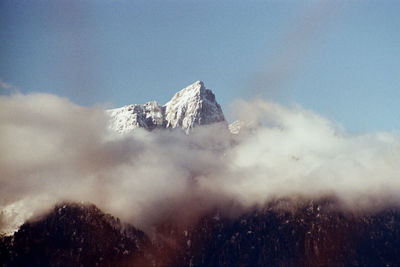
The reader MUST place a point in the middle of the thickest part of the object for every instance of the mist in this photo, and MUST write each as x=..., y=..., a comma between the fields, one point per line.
x=54, y=150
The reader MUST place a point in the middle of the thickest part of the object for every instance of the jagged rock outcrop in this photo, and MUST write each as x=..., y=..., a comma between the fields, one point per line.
x=192, y=106
x=128, y=118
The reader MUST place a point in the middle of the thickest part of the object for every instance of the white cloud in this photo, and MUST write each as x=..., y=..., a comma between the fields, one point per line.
x=8, y=86
x=54, y=150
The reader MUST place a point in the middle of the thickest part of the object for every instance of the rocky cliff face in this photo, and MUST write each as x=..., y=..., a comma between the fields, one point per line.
x=128, y=118
x=192, y=106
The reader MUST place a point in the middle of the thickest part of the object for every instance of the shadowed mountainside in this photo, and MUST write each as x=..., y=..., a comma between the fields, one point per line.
x=75, y=235
x=281, y=233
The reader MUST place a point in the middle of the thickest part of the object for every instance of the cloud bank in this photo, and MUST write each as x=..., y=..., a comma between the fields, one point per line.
x=54, y=150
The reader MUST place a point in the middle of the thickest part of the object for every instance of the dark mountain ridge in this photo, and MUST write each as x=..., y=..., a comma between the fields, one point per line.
x=74, y=234
x=309, y=233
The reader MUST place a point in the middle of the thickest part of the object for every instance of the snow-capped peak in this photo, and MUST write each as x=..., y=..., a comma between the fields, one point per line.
x=191, y=106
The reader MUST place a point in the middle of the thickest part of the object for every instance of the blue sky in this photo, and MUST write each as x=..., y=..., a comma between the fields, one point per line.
x=340, y=59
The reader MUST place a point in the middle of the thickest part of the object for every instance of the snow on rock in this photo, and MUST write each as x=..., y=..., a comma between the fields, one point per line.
x=239, y=127
x=235, y=126
x=192, y=106
x=128, y=118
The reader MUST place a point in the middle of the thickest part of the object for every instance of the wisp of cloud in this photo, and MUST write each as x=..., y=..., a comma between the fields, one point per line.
x=54, y=150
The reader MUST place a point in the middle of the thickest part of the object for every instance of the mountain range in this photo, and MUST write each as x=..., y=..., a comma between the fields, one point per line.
x=192, y=106
x=313, y=234
x=293, y=231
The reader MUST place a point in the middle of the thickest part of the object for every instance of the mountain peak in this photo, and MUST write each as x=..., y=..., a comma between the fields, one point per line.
x=195, y=90
x=192, y=106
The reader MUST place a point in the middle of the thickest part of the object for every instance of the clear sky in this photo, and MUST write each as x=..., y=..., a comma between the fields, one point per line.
x=340, y=59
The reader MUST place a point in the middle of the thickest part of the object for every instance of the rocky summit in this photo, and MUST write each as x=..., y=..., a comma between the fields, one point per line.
x=190, y=107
